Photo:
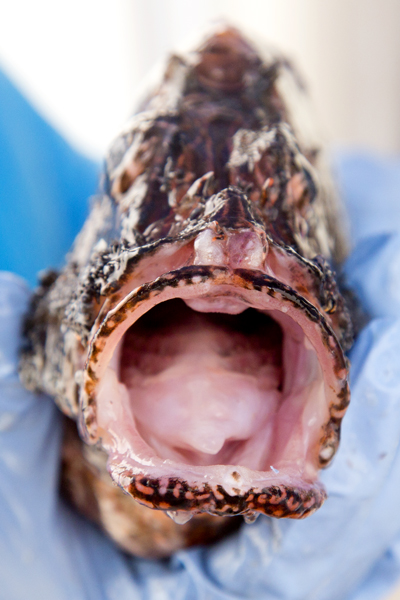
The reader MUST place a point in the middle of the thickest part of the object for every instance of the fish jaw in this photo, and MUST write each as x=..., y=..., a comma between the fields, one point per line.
x=300, y=431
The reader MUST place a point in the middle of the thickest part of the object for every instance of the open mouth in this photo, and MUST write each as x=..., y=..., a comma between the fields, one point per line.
x=204, y=388
x=216, y=391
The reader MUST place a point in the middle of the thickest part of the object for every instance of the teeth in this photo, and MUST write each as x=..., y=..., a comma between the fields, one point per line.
x=179, y=516
x=251, y=517
x=208, y=249
x=245, y=250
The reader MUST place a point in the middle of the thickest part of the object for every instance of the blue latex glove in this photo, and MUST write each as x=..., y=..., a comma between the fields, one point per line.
x=44, y=187
x=350, y=549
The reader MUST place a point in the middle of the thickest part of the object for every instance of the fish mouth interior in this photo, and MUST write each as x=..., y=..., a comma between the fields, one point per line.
x=202, y=390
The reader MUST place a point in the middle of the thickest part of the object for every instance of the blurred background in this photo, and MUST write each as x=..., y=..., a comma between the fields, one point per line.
x=80, y=62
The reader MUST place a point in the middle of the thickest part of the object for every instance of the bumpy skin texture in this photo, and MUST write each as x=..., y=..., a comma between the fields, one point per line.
x=223, y=143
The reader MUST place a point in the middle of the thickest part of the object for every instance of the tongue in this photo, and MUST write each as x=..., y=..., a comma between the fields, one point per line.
x=199, y=382
x=199, y=408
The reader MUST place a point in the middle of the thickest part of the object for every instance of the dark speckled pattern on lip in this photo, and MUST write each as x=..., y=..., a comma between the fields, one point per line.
x=274, y=501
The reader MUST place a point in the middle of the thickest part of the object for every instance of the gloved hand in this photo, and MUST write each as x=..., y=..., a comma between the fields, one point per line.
x=350, y=549
x=44, y=188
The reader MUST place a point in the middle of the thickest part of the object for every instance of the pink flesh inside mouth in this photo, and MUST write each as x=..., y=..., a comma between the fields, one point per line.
x=203, y=378
x=204, y=388
x=201, y=394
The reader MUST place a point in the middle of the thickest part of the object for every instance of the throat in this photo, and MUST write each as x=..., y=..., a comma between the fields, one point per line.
x=204, y=389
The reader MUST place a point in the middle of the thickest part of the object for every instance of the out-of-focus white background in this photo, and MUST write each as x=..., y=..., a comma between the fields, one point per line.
x=80, y=61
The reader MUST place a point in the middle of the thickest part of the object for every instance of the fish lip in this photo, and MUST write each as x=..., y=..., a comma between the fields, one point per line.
x=274, y=500
x=273, y=497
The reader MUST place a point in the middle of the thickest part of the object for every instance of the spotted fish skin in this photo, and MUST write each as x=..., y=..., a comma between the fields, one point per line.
x=223, y=146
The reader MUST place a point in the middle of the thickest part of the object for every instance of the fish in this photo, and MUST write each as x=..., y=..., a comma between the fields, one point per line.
x=196, y=337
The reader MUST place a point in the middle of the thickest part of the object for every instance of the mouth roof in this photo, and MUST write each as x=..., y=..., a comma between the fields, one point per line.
x=244, y=404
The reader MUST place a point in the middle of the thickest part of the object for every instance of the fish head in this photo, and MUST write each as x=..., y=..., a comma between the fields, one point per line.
x=201, y=332
x=214, y=376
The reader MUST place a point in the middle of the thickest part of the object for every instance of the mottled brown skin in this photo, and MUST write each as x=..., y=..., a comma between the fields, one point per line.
x=216, y=144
